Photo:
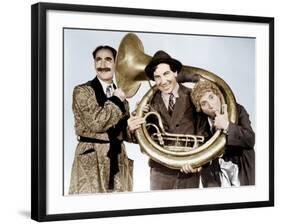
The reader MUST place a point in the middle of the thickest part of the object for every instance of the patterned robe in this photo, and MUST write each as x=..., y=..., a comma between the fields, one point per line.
x=97, y=117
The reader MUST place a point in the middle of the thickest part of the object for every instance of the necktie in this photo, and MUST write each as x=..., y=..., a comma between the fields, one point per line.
x=108, y=91
x=171, y=104
x=213, y=128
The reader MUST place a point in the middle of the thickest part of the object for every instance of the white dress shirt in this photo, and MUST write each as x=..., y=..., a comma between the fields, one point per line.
x=105, y=85
x=166, y=96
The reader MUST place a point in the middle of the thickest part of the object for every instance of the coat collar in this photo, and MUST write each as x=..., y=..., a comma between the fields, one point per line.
x=100, y=95
x=97, y=87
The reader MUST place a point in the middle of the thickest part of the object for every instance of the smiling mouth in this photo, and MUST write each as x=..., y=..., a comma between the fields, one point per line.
x=166, y=87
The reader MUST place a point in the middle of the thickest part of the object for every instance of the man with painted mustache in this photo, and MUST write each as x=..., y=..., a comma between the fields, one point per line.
x=101, y=111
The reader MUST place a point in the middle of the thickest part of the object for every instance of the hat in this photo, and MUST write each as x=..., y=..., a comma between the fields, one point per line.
x=158, y=58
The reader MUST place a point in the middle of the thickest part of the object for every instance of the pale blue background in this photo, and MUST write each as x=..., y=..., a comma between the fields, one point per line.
x=232, y=58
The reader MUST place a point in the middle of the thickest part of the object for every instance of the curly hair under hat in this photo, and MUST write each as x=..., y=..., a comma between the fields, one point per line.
x=199, y=89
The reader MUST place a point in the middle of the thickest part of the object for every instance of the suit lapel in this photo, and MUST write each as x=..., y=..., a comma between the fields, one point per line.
x=162, y=108
x=180, y=106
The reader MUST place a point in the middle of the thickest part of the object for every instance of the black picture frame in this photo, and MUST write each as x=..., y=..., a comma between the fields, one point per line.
x=39, y=109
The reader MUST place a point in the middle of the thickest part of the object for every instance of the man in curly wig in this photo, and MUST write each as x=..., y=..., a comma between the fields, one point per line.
x=237, y=166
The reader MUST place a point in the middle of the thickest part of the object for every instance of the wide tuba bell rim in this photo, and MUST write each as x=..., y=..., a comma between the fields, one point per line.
x=130, y=52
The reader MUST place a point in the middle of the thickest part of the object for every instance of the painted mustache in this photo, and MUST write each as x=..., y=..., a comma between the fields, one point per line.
x=104, y=69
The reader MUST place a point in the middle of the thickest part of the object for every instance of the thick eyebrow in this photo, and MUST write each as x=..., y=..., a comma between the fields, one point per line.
x=108, y=58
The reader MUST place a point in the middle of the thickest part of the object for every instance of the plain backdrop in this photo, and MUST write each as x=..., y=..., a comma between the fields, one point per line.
x=15, y=116
x=218, y=54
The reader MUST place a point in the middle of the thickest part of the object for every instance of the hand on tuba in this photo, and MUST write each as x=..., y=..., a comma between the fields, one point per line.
x=135, y=122
x=187, y=168
x=145, y=109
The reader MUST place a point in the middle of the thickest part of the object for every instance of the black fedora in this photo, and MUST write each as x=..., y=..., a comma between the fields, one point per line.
x=158, y=58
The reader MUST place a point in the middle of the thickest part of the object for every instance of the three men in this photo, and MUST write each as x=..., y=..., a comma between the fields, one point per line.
x=102, y=115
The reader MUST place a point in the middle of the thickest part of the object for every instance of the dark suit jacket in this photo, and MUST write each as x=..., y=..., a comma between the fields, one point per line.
x=239, y=146
x=183, y=118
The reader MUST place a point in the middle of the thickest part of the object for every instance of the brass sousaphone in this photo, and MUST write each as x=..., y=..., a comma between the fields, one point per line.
x=130, y=64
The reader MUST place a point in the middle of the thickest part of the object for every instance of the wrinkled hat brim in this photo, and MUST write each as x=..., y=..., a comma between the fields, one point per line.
x=149, y=68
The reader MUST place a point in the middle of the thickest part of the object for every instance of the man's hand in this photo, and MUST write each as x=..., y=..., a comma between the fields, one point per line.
x=145, y=109
x=187, y=168
x=221, y=120
x=135, y=122
x=120, y=94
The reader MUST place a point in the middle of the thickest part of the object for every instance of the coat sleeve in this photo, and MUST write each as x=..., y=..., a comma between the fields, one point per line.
x=241, y=134
x=96, y=118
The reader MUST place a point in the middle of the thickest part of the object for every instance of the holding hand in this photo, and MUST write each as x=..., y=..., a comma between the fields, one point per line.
x=187, y=168
x=135, y=122
x=221, y=120
x=145, y=109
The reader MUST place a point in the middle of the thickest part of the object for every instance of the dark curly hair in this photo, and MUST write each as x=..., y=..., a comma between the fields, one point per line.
x=114, y=52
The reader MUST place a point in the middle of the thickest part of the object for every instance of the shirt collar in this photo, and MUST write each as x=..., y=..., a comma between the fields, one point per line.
x=105, y=85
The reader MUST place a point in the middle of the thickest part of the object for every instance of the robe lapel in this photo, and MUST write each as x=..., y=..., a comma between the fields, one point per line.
x=97, y=87
x=113, y=132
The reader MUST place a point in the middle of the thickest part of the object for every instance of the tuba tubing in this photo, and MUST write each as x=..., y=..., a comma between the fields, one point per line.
x=130, y=64
x=210, y=150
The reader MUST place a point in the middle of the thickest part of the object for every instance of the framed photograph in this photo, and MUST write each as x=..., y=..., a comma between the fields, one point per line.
x=235, y=50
